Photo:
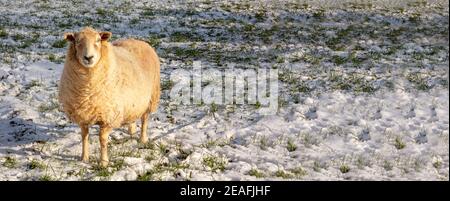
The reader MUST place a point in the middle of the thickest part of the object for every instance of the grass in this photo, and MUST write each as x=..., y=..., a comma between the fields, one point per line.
x=10, y=162
x=362, y=162
x=264, y=143
x=399, y=144
x=18, y=37
x=419, y=81
x=135, y=21
x=182, y=37
x=357, y=5
x=334, y=76
x=344, y=169
x=319, y=14
x=338, y=60
x=312, y=59
x=33, y=83
x=46, y=177
x=209, y=143
x=63, y=25
x=26, y=41
x=3, y=33
x=283, y=174
x=308, y=140
x=354, y=81
x=266, y=34
x=387, y=165
x=162, y=148
x=117, y=164
x=53, y=58
x=418, y=165
x=154, y=41
x=260, y=16
x=101, y=171
x=248, y=27
x=47, y=107
x=101, y=12
x=183, y=154
x=35, y=164
x=419, y=3
x=148, y=145
x=299, y=172
x=257, y=105
x=175, y=166
x=25, y=44
x=59, y=44
x=443, y=82
x=291, y=146
x=303, y=88
x=160, y=168
x=214, y=163
x=215, y=142
x=171, y=119
x=280, y=59
x=129, y=153
x=318, y=166
x=355, y=60
x=148, y=12
x=365, y=88
x=414, y=17
x=389, y=84
x=114, y=166
x=256, y=173
x=147, y=176
x=437, y=164
x=150, y=158
x=187, y=53
x=213, y=108
x=167, y=85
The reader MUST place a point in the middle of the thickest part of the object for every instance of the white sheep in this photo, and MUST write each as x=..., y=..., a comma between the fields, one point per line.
x=108, y=84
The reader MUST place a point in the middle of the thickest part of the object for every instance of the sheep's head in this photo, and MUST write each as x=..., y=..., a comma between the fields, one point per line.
x=88, y=45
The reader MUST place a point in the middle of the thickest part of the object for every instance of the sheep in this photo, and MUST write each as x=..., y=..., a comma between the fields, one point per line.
x=109, y=85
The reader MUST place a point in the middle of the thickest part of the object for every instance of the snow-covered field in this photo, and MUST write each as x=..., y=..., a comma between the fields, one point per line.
x=363, y=91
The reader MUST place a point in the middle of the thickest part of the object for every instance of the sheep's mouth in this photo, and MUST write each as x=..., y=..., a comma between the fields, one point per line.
x=87, y=63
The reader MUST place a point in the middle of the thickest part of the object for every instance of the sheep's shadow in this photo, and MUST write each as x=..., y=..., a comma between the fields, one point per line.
x=25, y=137
x=19, y=134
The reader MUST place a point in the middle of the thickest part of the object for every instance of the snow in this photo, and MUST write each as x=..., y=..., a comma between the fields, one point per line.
x=384, y=115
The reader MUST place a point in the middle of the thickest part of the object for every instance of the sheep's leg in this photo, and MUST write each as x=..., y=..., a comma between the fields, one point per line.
x=104, y=133
x=144, y=119
x=85, y=142
x=132, y=128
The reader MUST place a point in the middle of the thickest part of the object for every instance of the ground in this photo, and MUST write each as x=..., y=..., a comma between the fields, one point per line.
x=363, y=91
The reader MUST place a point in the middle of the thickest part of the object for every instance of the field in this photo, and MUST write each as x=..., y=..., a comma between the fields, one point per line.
x=363, y=91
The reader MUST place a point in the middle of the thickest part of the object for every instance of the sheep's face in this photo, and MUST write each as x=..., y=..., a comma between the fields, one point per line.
x=88, y=45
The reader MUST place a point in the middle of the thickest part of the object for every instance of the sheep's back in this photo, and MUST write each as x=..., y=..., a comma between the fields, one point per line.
x=138, y=66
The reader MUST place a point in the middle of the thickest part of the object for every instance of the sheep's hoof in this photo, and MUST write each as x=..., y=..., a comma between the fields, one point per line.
x=104, y=163
x=85, y=160
x=143, y=140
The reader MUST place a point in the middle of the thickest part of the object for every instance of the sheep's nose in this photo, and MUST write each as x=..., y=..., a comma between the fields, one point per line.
x=88, y=58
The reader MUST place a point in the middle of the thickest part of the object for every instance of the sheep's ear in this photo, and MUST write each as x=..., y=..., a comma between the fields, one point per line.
x=69, y=37
x=105, y=35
